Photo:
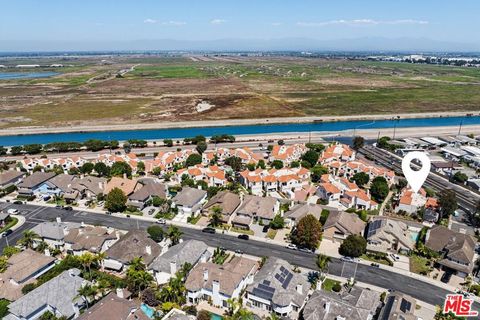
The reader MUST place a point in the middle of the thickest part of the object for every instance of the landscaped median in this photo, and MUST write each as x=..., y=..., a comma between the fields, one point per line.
x=10, y=222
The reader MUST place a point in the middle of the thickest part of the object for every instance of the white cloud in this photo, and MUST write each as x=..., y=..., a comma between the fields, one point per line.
x=217, y=21
x=174, y=23
x=151, y=21
x=360, y=22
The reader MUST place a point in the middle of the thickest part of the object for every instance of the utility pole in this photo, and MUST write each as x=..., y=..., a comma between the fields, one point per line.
x=460, y=127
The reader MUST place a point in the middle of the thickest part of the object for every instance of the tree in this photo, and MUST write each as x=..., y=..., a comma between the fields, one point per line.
x=101, y=169
x=311, y=156
x=141, y=167
x=28, y=239
x=358, y=142
x=168, y=142
x=353, y=246
x=201, y=147
x=447, y=200
x=308, y=232
x=216, y=216
x=10, y=251
x=174, y=234
x=261, y=164
x=203, y=315
x=87, y=167
x=33, y=148
x=138, y=278
x=86, y=292
x=460, y=177
x=3, y=264
x=322, y=262
x=156, y=233
x=317, y=172
x=277, y=222
x=379, y=189
x=16, y=150
x=277, y=164
x=87, y=260
x=119, y=168
x=361, y=178
x=234, y=162
x=116, y=201
x=149, y=296
x=193, y=160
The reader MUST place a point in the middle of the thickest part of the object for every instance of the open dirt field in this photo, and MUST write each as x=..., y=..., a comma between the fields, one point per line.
x=98, y=91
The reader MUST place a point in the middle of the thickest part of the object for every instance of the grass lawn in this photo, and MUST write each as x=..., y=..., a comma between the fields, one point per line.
x=271, y=233
x=239, y=230
x=328, y=284
x=194, y=220
x=419, y=265
x=172, y=71
x=169, y=215
x=10, y=224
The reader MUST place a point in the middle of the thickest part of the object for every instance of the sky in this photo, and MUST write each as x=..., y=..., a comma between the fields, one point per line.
x=54, y=21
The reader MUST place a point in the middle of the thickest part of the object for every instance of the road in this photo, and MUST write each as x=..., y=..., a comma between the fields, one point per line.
x=466, y=198
x=364, y=273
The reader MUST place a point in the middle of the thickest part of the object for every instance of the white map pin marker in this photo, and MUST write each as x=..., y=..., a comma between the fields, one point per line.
x=416, y=178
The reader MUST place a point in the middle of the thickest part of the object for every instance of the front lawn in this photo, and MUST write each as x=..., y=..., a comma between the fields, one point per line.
x=420, y=265
x=378, y=258
x=244, y=231
x=271, y=233
x=328, y=284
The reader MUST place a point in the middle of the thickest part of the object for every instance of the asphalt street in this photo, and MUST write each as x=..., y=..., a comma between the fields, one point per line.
x=375, y=276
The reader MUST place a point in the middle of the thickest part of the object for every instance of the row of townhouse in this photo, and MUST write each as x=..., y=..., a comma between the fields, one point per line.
x=221, y=154
x=344, y=194
x=286, y=180
x=287, y=153
x=214, y=176
x=49, y=163
x=337, y=152
x=410, y=201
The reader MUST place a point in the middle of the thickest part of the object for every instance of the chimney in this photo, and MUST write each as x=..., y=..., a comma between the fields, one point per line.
x=148, y=250
x=300, y=288
x=215, y=288
x=59, y=219
x=327, y=307
x=120, y=293
x=100, y=186
x=203, y=258
x=205, y=274
x=173, y=267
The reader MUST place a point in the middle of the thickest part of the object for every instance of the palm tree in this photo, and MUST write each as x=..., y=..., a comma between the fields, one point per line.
x=87, y=260
x=273, y=316
x=29, y=238
x=216, y=216
x=86, y=292
x=100, y=257
x=322, y=262
x=174, y=234
x=137, y=264
x=41, y=246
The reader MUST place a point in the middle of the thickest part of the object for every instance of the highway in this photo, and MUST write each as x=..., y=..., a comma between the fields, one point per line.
x=364, y=273
x=466, y=198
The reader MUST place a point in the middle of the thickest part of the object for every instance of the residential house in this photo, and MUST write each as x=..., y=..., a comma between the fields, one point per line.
x=227, y=201
x=253, y=181
x=58, y=295
x=189, y=201
x=256, y=208
x=219, y=283
x=128, y=186
x=87, y=187
x=4, y=219
x=135, y=244
x=337, y=152
x=277, y=288
x=93, y=239
x=53, y=233
x=168, y=264
x=388, y=235
x=398, y=306
x=339, y=225
x=31, y=184
x=328, y=192
x=458, y=249
x=353, y=304
x=149, y=190
x=115, y=306
x=10, y=178
x=359, y=200
x=287, y=153
x=57, y=186
x=23, y=268
x=301, y=210
x=410, y=201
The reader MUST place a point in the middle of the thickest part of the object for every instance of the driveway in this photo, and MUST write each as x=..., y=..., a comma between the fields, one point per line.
x=402, y=263
x=257, y=229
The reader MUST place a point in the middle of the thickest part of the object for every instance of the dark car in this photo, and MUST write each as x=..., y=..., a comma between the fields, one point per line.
x=6, y=233
x=68, y=208
x=265, y=228
x=376, y=265
x=209, y=230
x=446, y=277
x=243, y=237
x=17, y=202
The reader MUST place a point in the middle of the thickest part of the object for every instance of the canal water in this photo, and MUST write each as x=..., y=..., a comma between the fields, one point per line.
x=236, y=130
x=26, y=75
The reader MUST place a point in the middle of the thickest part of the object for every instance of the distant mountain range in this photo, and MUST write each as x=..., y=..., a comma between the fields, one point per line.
x=281, y=44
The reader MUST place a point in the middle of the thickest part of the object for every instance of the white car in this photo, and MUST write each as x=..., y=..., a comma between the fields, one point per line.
x=291, y=246
x=347, y=259
x=12, y=211
x=161, y=221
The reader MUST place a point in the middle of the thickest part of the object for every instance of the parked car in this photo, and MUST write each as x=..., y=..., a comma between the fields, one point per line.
x=17, y=202
x=306, y=250
x=446, y=277
x=265, y=228
x=128, y=216
x=394, y=257
x=347, y=259
x=109, y=213
x=238, y=251
x=161, y=221
x=209, y=230
x=46, y=198
x=374, y=264
x=12, y=211
x=68, y=208
x=291, y=246
x=6, y=233
x=243, y=237
x=151, y=211
x=59, y=206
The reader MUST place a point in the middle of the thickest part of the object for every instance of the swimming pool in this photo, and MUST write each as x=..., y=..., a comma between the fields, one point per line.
x=149, y=312
x=214, y=316
x=414, y=235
